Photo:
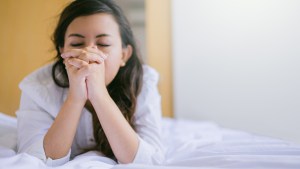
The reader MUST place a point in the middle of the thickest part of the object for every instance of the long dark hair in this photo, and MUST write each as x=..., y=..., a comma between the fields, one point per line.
x=127, y=84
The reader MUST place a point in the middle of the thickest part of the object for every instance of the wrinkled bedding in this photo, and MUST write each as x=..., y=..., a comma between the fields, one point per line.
x=188, y=144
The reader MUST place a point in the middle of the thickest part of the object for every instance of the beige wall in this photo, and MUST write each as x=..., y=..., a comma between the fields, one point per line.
x=25, y=31
x=158, y=42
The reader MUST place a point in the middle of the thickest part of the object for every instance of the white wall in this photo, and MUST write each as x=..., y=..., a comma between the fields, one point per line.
x=237, y=62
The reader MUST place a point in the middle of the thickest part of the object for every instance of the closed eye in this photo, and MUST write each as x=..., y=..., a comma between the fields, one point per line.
x=103, y=45
x=77, y=44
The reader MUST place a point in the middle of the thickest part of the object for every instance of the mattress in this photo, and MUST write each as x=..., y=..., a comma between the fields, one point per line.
x=188, y=144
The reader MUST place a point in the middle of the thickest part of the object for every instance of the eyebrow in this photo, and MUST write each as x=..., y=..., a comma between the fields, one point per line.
x=81, y=36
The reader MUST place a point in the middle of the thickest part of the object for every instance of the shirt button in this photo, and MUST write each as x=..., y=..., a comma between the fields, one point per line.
x=92, y=140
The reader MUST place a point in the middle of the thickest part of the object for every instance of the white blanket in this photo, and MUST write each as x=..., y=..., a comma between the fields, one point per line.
x=188, y=144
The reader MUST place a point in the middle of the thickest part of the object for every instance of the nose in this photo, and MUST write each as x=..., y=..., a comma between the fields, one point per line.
x=92, y=45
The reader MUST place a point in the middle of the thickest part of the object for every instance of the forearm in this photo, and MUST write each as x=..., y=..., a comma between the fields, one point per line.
x=122, y=138
x=59, y=138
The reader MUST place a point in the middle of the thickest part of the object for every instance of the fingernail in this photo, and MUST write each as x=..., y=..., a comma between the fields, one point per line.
x=105, y=56
x=101, y=59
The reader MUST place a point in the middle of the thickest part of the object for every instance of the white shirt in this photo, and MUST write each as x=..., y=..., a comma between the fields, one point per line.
x=42, y=99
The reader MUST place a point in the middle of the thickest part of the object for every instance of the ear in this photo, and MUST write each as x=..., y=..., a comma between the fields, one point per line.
x=126, y=54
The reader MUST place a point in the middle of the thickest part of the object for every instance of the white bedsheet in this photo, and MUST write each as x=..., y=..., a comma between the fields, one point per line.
x=188, y=144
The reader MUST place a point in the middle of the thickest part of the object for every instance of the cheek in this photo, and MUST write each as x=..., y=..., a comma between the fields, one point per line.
x=112, y=66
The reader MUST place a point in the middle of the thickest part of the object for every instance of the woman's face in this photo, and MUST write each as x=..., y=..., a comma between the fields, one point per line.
x=99, y=30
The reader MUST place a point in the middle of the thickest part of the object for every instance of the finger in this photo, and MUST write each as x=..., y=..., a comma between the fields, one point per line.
x=84, y=58
x=68, y=66
x=91, y=57
x=78, y=63
x=101, y=60
x=87, y=54
x=96, y=51
x=72, y=53
x=84, y=70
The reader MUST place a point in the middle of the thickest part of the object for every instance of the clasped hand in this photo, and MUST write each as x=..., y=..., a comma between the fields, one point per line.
x=86, y=73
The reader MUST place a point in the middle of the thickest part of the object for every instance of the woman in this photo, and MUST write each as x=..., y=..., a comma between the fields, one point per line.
x=96, y=96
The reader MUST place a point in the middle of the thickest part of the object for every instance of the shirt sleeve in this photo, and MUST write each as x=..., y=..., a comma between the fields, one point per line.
x=148, y=123
x=33, y=124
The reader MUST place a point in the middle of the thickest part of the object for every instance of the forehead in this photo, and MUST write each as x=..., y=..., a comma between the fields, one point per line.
x=94, y=24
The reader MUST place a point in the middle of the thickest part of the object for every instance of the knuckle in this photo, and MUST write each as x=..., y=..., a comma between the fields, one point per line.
x=85, y=67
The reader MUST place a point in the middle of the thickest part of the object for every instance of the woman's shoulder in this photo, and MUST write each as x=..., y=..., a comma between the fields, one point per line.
x=149, y=100
x=41, y=88
x=149, y=91
x=41, y=76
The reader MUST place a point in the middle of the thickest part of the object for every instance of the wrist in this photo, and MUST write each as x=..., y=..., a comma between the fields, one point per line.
x=76, y=101
x=99, y=97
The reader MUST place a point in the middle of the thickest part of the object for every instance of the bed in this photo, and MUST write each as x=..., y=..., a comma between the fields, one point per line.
x=188, y=144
